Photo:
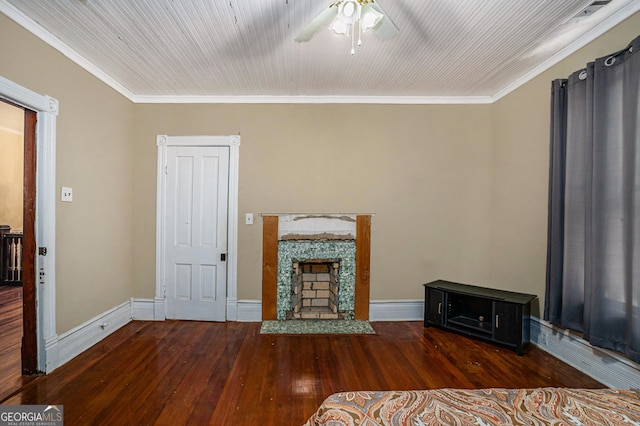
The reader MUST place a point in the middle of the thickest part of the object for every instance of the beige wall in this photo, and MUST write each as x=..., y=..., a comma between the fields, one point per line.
x=458, y=192
x=521, y=157
x=424, y=171
x=11, y=175
x=94, y=157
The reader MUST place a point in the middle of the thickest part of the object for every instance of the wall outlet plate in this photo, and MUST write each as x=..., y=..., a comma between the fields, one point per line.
x=66, y=194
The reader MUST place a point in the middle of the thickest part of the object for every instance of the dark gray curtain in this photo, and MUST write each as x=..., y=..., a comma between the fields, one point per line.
x=555, y=225
x=593, y=248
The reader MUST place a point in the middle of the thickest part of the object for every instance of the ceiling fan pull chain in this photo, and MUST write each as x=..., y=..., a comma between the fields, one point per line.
x=359, y=34
x=353, y=40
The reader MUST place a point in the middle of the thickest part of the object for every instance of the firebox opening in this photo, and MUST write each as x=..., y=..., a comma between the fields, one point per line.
x=314, y=289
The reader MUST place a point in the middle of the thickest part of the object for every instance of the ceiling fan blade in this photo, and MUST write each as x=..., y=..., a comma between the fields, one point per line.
x=386, y=29
x=318, y=23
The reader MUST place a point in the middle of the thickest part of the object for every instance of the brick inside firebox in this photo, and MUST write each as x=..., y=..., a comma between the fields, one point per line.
x=314, y=289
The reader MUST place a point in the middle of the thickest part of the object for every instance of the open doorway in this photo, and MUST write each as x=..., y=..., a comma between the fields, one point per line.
x=39, y=348
x=17, y=245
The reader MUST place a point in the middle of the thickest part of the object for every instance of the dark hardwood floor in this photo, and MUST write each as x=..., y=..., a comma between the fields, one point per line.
x=180, y=372
x=11, y=377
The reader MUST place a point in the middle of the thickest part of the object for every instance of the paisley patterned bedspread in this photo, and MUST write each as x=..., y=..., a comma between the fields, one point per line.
x=542, y=406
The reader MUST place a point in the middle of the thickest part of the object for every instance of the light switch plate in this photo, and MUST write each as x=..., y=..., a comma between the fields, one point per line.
x=66, y=194
x=248, y=219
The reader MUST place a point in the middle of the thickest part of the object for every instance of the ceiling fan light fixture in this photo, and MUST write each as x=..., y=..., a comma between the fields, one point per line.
x=370, y=18
x=349, y=11
x=351, y=18
x=355, y=15
x=339, y=27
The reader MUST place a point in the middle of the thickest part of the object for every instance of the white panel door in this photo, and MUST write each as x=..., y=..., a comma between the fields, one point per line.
x=196, y=232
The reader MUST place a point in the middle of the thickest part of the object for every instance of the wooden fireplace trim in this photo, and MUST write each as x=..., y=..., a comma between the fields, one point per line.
x=270, y=267
x=363, y=255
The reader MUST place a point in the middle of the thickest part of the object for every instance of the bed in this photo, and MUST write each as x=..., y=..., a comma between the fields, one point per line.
x=541, y=406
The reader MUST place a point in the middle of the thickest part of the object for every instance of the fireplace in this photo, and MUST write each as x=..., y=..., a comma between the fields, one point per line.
x=315, y=267
x=315, y=289
x=314, y=253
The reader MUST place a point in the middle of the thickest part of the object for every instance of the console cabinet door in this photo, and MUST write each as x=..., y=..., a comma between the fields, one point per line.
x=507, y=324
x=436, y=307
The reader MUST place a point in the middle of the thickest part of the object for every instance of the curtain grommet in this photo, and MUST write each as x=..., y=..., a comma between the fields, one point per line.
x=583, y=75
x=610, y=61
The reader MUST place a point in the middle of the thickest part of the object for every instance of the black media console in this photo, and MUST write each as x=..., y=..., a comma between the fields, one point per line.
x=494, y=315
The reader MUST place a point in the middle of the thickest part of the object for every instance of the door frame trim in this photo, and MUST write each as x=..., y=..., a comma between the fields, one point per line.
x=46, y=108
x=233, y=143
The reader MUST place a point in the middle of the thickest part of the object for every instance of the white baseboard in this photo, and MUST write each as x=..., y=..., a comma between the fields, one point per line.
x=232, y=309
x=237, y=310
x=607, y=367
x=396, y=310
x=51, y=354
x=142, y=309
x=379, y=310
x=79, y=339
x=249, y=311
x=159, y=309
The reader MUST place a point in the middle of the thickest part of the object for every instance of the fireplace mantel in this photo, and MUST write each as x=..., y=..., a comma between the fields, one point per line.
x=315, y=227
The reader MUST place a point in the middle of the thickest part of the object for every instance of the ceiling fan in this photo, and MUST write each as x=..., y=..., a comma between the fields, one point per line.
x=349, y=17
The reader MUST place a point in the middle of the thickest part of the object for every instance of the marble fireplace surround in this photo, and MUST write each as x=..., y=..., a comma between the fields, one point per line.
x=279, y=228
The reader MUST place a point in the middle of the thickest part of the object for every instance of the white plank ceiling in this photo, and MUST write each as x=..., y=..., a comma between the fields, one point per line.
x=235, y=50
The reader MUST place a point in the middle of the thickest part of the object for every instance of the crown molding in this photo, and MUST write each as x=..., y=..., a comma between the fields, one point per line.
x=400, y=100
